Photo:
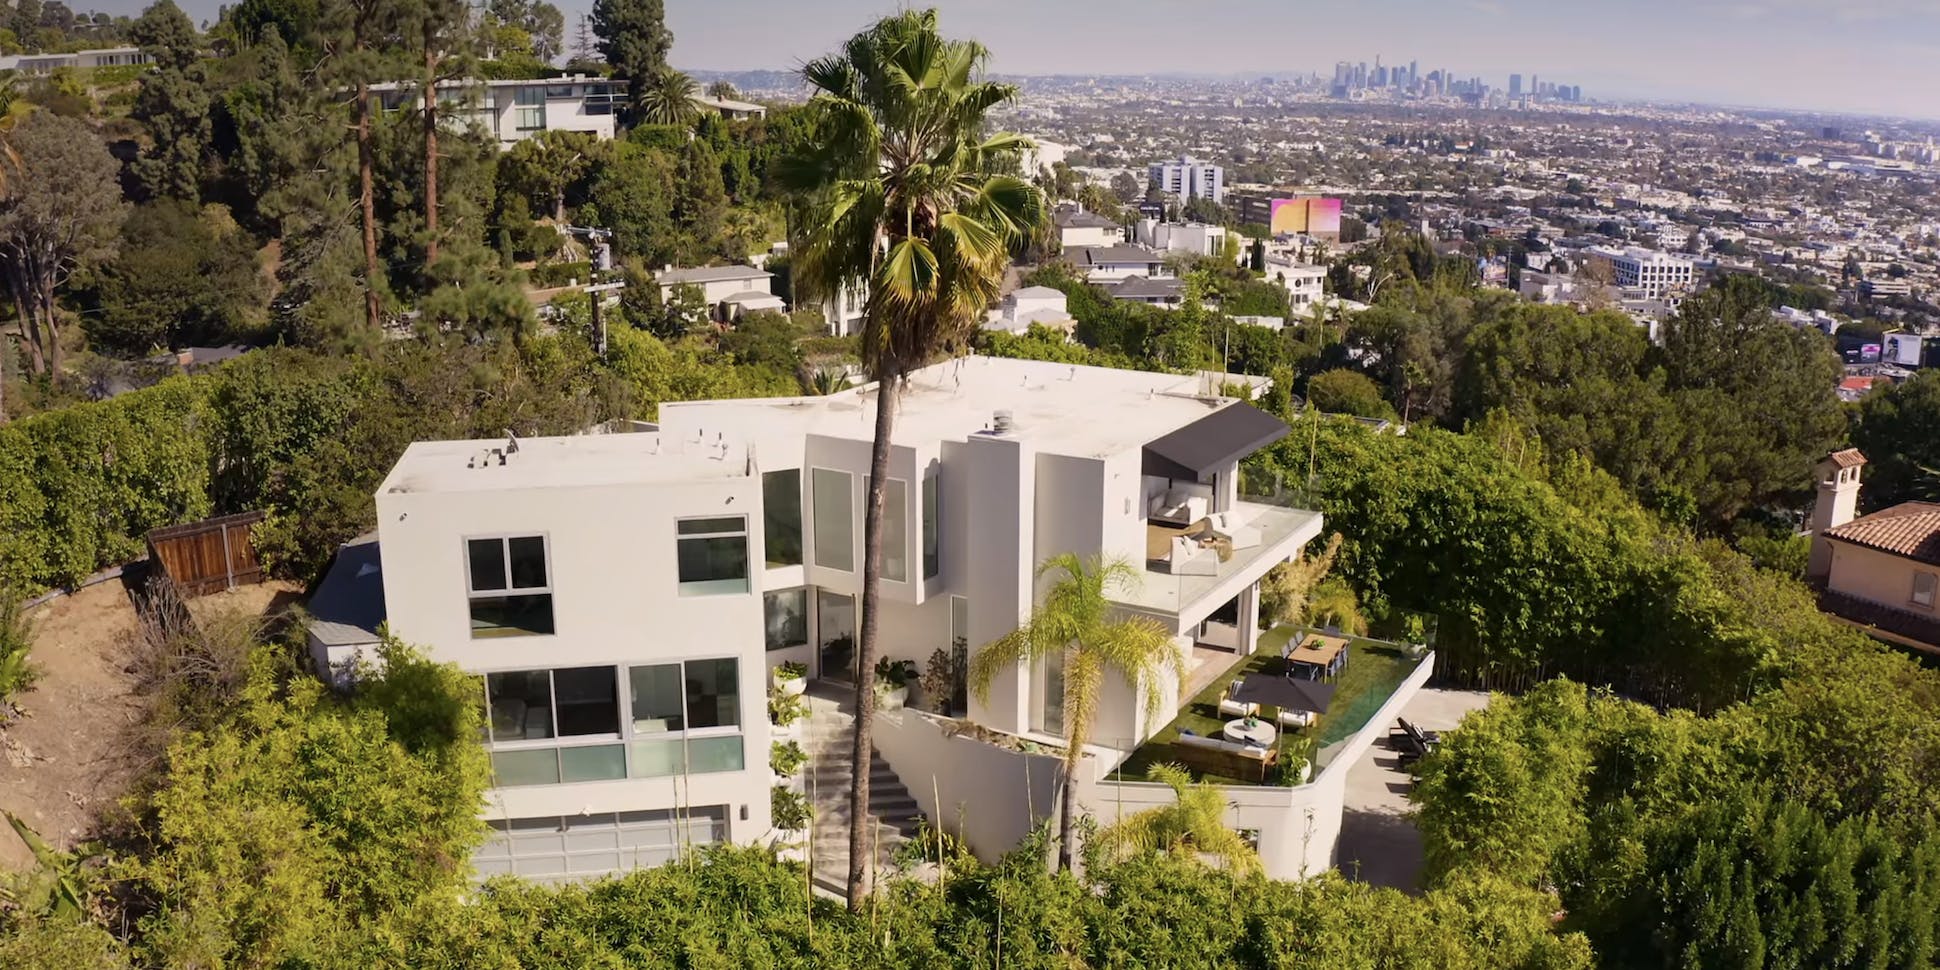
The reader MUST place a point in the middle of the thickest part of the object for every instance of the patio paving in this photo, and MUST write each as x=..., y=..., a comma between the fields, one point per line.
x=1378, y=841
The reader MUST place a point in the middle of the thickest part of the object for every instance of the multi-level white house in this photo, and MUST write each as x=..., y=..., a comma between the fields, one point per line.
x=514, y=110
x=626, y=596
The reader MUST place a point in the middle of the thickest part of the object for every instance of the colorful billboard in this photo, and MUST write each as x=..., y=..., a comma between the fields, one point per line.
x=1307, y=215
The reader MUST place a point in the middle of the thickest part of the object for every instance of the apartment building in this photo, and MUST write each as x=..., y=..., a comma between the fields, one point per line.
x=1647, y=271
x=1189, y=178
x=1305, y=283
x=514, y=110
x=625, y=596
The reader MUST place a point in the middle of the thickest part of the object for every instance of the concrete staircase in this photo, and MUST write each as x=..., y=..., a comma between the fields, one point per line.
x=892, y=811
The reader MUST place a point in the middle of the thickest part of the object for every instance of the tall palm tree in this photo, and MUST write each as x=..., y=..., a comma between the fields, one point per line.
x=906, y=202
x=1194, y=825
x=666, y=98
x=1076, y=622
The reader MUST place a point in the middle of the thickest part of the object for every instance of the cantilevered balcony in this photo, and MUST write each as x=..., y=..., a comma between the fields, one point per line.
x=1192, y=570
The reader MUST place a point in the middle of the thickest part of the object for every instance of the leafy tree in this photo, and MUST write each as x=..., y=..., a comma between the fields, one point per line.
x=1076, y=628
x=1899, y=430
x=553, y=169
x=901, y=199
x=1347, y=392
x=700, y=202
x=63, y=216
x=633, y=37
x=633, y=196
x=1192, y=826
x=724, y=91
x=183, y=277
x=1126, y=188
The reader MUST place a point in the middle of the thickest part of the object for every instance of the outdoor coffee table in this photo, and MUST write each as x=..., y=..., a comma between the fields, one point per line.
x=1261, y=733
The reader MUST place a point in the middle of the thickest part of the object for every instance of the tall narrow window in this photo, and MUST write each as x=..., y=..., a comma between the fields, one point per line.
x=833, y=496
x=895, y=531
x=932, y=526
x=509, y=582
x=713, y=555
x=1923, y=588
x=781, y=516
x=786, y=616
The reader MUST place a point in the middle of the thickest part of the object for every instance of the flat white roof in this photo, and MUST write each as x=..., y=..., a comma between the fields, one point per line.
x=579, y=460
x=1059, y=408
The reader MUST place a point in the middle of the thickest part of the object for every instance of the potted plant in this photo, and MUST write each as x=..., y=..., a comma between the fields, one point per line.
x=789, y=809
x=939, y=681
x=893, y=678
x=1296, y=762
x=786, y=758
x=792, y=678
x=784, y=709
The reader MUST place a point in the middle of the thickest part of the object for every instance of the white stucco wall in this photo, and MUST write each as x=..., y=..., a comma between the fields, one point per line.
x=1878, y=577
x=990, y=796
x=615, y=601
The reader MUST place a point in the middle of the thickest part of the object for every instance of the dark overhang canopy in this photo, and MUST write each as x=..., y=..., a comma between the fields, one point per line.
x=1213, y=442
x=1274, y=690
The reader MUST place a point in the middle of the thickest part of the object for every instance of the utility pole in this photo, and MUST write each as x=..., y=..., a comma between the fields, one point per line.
x=600, y=246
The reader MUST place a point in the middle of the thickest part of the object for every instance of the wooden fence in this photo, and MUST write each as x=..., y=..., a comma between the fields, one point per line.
x=207, y=556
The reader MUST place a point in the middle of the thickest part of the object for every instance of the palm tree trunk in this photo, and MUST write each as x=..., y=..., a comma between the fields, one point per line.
x=1068, y=803
x=861, y=865
x=430, y=148
x=367, y=200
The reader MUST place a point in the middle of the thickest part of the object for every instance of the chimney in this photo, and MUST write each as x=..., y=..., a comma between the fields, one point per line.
x=1838, y=502
x=1000, y=423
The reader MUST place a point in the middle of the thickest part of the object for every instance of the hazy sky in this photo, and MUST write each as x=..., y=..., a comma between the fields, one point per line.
x=1869, y=56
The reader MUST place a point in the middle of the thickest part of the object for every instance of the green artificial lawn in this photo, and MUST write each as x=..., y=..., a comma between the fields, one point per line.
x=1374, y=669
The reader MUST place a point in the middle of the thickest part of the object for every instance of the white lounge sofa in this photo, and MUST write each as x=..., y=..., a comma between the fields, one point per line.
x=1233, y=708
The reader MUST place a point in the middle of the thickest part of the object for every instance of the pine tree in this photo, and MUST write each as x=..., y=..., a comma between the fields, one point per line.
x=633, y=37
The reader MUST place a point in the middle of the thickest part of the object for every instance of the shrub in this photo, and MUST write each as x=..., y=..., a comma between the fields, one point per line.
x=16, y=638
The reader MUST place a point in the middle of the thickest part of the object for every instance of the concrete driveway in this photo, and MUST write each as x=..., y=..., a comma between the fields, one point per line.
x=1378, y=841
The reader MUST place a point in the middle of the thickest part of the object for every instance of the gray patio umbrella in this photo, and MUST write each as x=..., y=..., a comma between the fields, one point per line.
x=1273, y=690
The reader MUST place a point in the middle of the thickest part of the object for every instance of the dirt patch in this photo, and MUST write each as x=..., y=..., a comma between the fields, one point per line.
x=64, y=764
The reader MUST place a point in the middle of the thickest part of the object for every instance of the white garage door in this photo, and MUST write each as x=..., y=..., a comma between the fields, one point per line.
x=584, y=846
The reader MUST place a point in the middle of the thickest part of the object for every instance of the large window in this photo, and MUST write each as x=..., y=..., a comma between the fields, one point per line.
x=686, y=717
x=833, y=495
x=781, y=516
x=1923, y=588
x=529, y=109
x=569, y=711
x=932, y=526
x=786, y=615
x=713, y=555
x=509, y=580
x=548, y=727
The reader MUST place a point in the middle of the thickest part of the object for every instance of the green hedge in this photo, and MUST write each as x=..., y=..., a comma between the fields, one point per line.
x=559, y=274
x=85, y=484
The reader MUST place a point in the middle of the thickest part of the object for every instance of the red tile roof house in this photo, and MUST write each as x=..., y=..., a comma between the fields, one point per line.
x=1879, y=572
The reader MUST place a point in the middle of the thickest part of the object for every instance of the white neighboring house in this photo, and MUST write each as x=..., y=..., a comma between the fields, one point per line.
x=626, y=595
x=1305, y=283
x=1194, y=238
x=1031, y=305
x=729, y=108
x=728, y=291
x=1109, y=264
x=48, y=63
x=1076, y=227
x=515, y=110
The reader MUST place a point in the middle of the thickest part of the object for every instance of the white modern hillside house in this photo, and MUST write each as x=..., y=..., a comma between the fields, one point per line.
x=626, y=597
x=514, y=110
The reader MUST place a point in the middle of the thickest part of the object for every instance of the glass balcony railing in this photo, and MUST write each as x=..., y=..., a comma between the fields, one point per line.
x=1255, y=536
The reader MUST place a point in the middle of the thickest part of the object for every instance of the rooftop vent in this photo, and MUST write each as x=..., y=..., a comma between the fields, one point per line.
x=1001, y=423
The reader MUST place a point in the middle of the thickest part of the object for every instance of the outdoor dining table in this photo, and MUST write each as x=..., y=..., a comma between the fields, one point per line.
x=1320, y=654
x=1260, y=733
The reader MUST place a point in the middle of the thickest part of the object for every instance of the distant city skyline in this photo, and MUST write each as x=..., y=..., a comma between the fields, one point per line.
x=1874, y=57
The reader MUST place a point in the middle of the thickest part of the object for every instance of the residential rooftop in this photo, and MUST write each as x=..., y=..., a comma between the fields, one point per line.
x=709, y=274
x=580, y=460
x=1059, y=408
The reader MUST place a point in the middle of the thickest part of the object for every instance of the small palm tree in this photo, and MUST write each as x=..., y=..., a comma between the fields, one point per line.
x=666, y=97
x=1076, y=622
x=1193, y=826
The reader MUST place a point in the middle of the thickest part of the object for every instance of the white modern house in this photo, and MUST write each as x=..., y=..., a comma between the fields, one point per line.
x=730, y=108
x=1041, y=305
x=626, y=596
x=728, y=291
x=1191, y=238
x=514, y=110
x=1305, y=283
x=47, y=63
